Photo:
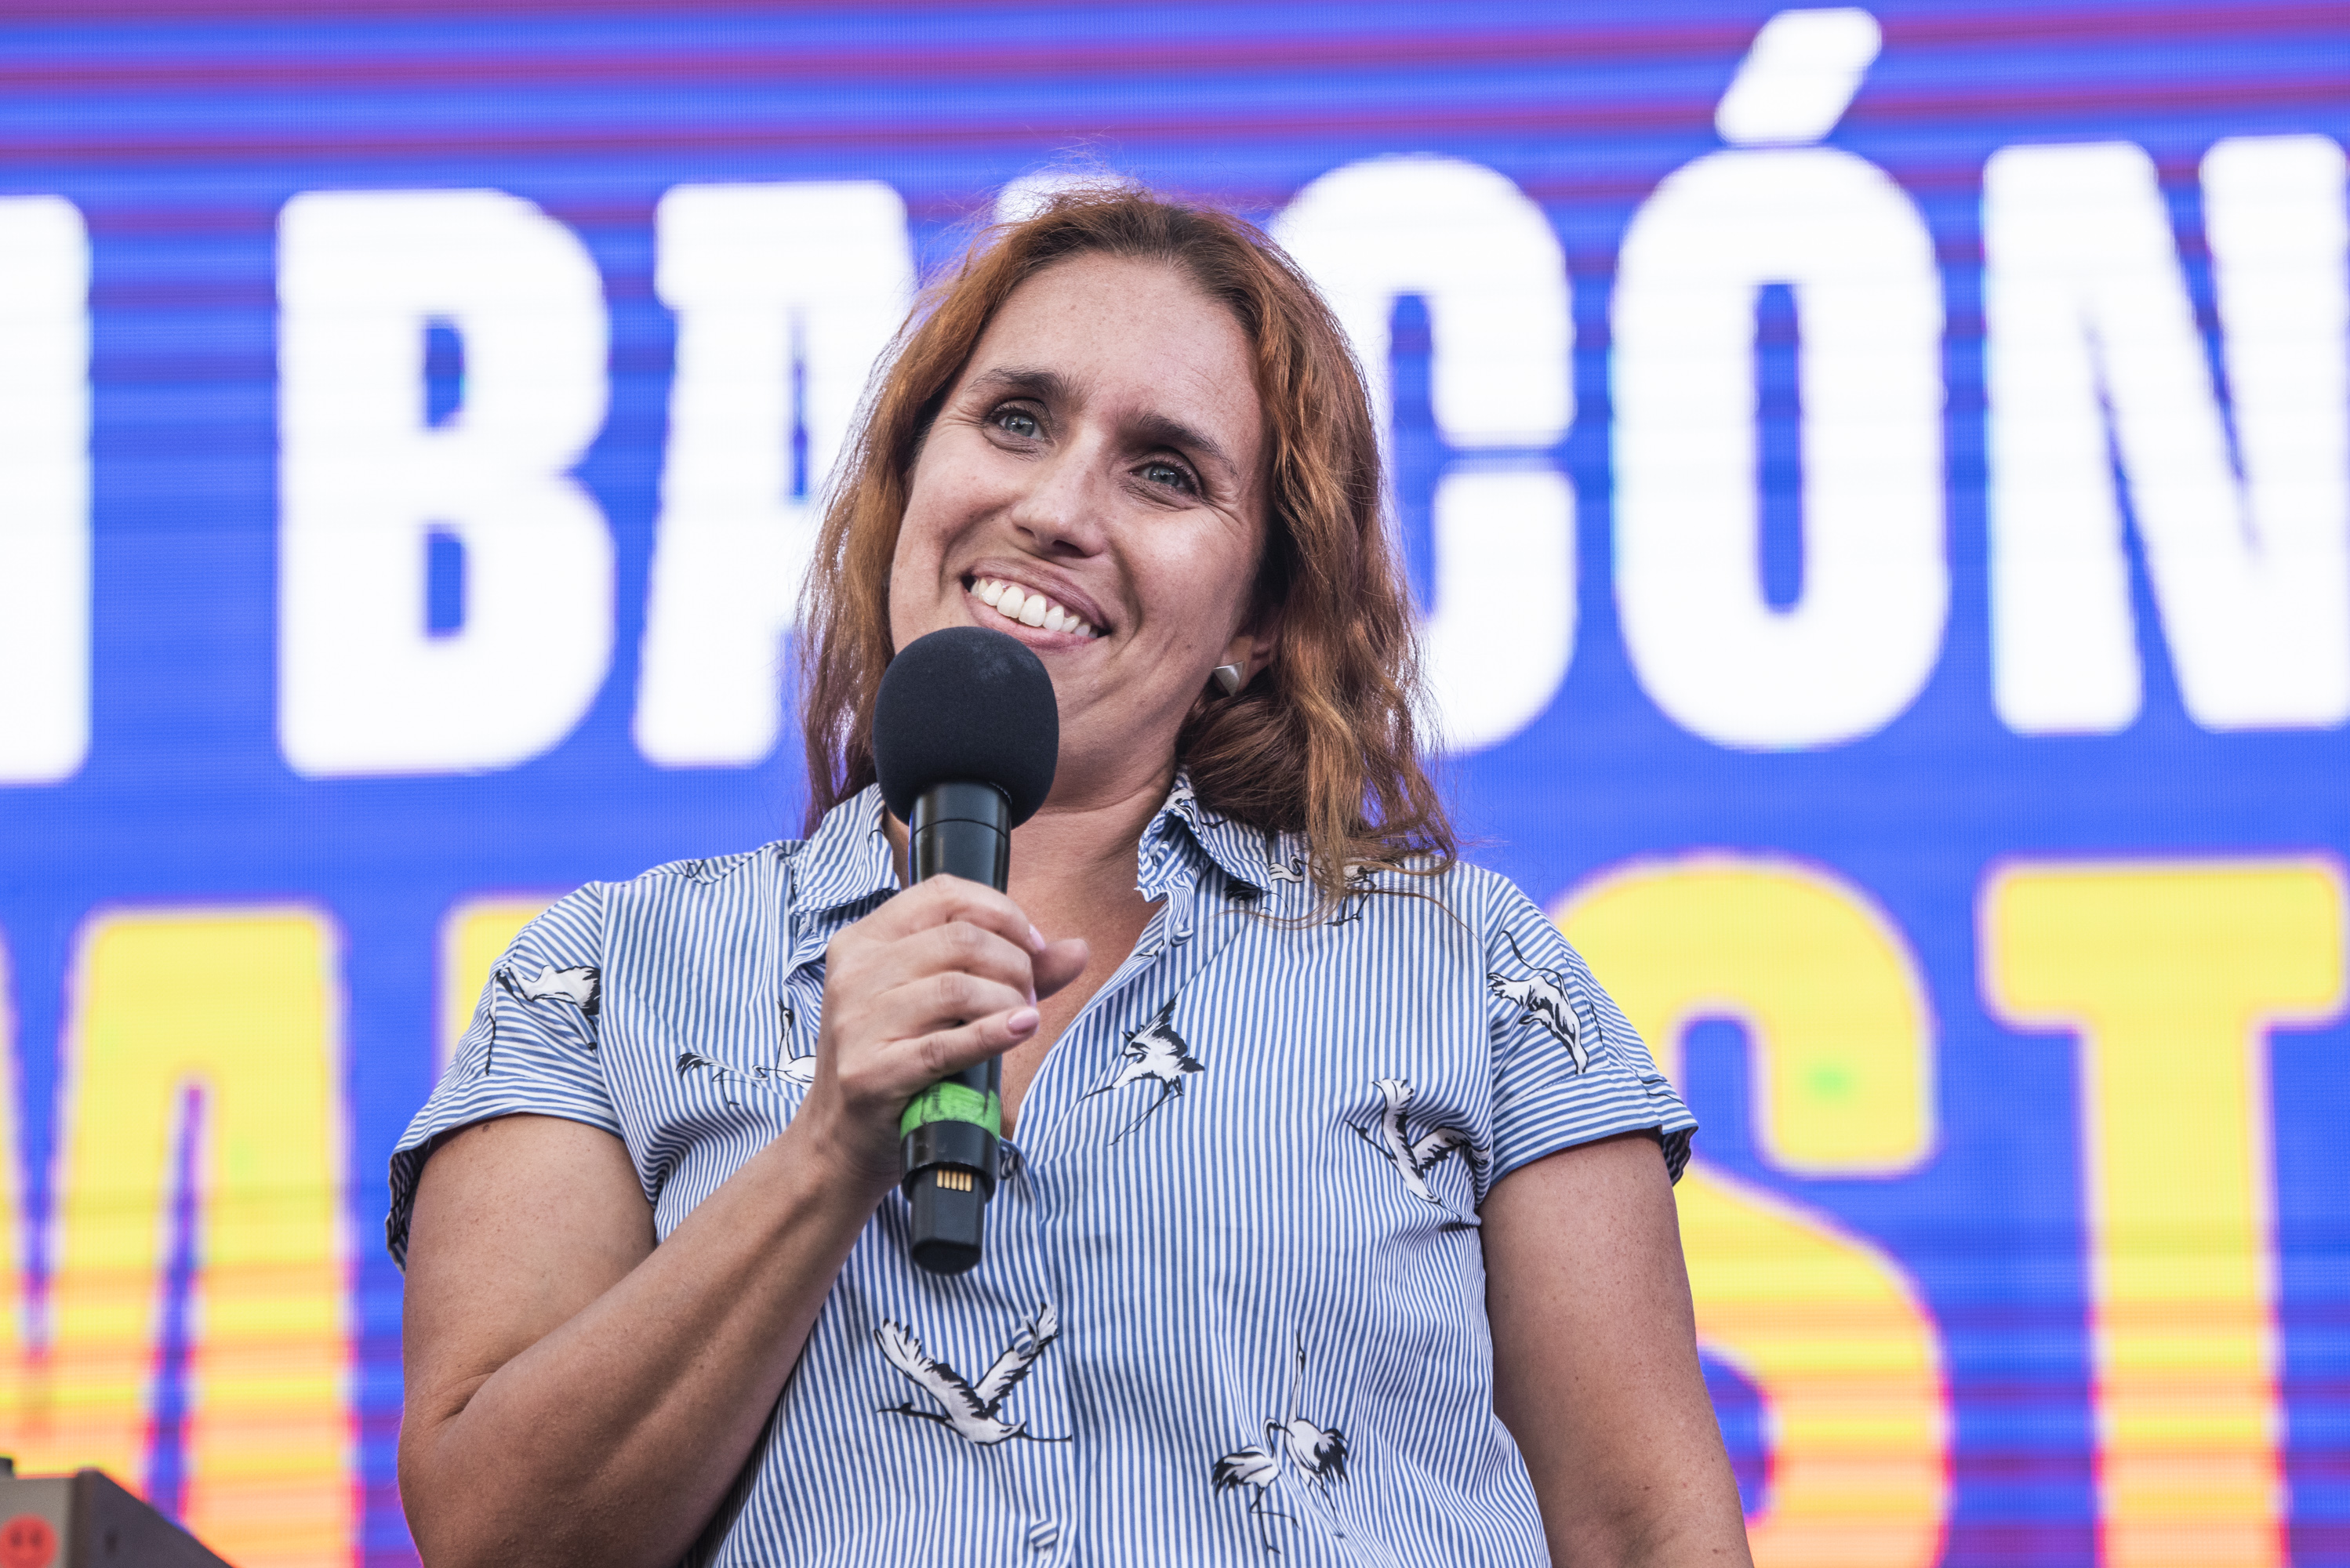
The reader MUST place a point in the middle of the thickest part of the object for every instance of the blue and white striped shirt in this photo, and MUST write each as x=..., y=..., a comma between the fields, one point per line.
x=1232, y=1305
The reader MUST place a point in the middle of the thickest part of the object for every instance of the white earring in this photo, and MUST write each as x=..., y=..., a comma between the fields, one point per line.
x=1230, y=676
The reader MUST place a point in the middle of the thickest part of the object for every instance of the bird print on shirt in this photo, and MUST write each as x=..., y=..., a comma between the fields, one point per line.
x=1390, y=1134
x=1543, y=997
x=1281, y=868
x=1153, y=1054
x=800, y=1071
x=1361, y=880
x=967, y=1409
x=582, y=985
x=1319, y=1454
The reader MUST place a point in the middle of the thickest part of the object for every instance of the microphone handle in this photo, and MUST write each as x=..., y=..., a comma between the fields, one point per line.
x=948, y=1134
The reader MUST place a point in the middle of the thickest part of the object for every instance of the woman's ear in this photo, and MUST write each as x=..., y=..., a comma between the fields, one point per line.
x=1253, y=646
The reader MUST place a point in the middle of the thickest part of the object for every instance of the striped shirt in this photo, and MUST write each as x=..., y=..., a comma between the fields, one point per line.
x=1232, y=1305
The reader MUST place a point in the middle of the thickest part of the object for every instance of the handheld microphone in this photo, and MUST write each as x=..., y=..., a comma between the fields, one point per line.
x=965, y=736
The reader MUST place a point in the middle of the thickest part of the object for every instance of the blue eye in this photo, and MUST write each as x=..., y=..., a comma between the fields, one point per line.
x=1168, y=474
x=1019, y=422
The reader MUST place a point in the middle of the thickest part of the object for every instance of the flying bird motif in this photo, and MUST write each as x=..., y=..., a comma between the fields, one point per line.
x=1318, y=1452
x=1543, y=997
x=1412, y=1157
x=1361, y=880
x=1283, y=867
x=970, y=1411
x=800, y=1070
x=785, y=1069
x=1155, y=1054
x=582, y=985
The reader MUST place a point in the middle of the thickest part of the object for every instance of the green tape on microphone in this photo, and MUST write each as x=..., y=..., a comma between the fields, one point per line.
x=952, y=1102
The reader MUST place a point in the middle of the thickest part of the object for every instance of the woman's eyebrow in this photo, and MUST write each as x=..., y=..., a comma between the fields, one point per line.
x=1045, y=386
x=1162, y=430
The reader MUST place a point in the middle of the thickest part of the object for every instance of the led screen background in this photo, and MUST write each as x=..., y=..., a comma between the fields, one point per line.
x=1886, y=583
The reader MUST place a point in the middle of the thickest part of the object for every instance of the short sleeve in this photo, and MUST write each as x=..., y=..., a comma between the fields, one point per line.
x=1568, y=1067
x=531, y=1048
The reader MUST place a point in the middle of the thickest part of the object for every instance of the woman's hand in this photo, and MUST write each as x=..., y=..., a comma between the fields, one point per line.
x=944, y=975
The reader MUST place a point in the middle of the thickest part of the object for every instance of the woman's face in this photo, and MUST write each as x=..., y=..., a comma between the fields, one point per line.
x=1097, y=470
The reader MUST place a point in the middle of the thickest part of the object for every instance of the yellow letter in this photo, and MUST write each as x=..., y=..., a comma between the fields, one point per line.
x=1847, y=1353
x=2171, y=975
x=244, y=1005
x=1843, y=1044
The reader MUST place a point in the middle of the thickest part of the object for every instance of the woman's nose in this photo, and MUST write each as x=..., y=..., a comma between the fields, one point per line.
x=1062, y=510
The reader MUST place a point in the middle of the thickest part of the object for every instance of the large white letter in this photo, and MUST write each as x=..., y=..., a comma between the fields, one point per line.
x=363, y=686
x=2087, y=312
x=44, y=490
x=754, y=272
x=1708, y=646
x=1487, y=261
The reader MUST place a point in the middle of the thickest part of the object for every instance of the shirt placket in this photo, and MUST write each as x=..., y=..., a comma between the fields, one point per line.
x=1172, y=952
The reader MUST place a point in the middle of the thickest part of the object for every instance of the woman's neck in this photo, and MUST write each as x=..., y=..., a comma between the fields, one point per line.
x=1074, y=862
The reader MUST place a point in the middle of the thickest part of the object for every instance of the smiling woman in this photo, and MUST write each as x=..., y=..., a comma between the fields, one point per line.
x=1239, y=412
x=1334, y=1222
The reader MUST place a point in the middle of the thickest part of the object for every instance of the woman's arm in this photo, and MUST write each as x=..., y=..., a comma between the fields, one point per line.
x=1594, y=1362
x=578, y=1396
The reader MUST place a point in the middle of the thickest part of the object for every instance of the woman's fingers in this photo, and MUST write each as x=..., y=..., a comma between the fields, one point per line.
x=944, y=900
x=962, y=948
x=949, y=1051
x=940, y=978
x=1059, y=964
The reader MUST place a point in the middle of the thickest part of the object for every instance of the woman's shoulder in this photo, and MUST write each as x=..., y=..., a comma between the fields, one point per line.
x=596, y=913
x=1476, y=896
x=716, y=870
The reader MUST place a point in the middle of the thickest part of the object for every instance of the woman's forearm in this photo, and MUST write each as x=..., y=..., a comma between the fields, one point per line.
x=613, y=1432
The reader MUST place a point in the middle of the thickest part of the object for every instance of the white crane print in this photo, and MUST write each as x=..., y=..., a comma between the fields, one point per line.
x=800, y=1070
x=785, y=1069
x=1318, y=1452
x=1543, y=997
x=970, y=1411
x=582, y=985
x=1156, y=1055
x=1414, y=1157
x=1281, y=868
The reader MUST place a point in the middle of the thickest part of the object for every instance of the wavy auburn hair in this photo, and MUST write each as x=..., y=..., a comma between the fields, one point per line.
x=1324, y=742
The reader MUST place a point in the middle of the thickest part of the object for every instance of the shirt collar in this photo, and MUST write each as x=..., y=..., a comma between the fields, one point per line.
x=848, y=859
x=1242, y=852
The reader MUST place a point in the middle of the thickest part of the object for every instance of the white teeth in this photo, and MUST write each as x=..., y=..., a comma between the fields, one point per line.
x=1029, y=608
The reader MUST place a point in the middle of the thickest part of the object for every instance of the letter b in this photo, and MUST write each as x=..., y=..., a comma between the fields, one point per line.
x=364, y=687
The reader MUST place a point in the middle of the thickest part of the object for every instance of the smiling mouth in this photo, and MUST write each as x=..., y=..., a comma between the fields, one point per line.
x=1029, y=608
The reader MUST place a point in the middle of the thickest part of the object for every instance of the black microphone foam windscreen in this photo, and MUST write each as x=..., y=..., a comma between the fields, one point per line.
x=966, y=704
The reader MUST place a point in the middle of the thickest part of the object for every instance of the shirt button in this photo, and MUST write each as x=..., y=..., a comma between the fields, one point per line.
x=1043, y=1534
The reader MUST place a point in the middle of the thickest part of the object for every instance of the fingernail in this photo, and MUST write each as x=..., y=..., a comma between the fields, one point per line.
x=1023, y=1022
x=1036, y=939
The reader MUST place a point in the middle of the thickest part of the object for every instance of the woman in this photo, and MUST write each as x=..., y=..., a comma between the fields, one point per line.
x=1335, y=1228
